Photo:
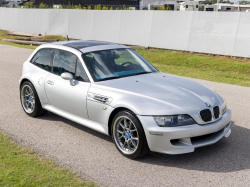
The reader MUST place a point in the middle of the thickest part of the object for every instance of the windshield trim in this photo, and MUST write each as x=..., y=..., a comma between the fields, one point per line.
x=116, y=77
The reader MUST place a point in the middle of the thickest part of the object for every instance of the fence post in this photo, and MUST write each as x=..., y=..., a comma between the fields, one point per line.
x=190, y=30
x=233, y=47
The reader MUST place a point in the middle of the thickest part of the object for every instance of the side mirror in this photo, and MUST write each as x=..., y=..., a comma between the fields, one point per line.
x=68, y=76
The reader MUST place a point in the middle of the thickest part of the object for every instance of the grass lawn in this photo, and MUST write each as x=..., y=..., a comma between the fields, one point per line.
x=208, y=67
x=22, y=167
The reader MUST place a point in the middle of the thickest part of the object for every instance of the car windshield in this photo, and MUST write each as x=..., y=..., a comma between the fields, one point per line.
x=116, y=63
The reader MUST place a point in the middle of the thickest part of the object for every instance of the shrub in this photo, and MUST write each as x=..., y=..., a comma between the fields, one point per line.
x=79, y=7
x=43, y=5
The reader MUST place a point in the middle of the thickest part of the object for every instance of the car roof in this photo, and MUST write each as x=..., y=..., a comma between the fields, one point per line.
x=90, y=46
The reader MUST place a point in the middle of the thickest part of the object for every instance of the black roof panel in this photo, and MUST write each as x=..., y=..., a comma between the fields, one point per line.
x=83, y=44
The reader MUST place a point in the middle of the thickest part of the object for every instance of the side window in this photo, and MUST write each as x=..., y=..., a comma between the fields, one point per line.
x=42, y=59
x=80, y=73
x=64, y=62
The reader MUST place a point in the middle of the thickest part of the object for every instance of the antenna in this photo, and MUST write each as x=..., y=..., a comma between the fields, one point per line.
x=67, y=37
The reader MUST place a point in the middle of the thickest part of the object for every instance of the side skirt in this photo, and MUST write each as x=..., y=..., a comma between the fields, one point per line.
x=83, y=121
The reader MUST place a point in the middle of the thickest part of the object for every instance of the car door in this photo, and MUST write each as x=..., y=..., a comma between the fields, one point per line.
x=61, y=94
x=43, y=62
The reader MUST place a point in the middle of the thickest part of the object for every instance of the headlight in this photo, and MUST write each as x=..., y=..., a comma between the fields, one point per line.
x=224, y=107
x=173, y=121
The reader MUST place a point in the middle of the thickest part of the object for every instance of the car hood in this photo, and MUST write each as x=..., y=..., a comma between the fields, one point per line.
x=174, y=90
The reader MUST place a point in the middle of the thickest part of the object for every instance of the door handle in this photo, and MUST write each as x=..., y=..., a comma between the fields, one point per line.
x=50, y=82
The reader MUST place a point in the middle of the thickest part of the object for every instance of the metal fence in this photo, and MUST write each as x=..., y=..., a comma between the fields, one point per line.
x=223, y=33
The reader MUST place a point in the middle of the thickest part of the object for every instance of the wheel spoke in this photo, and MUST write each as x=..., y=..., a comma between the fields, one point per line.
x=120, y=137
x=134, y=138
x=27, y=93
x=125, y=123
x=133, y=143
x=32, y=106
x=120, y=131
x=134, y=130
x=121, y=125
x=129, y=146
x=130, y=125
x=124, y=144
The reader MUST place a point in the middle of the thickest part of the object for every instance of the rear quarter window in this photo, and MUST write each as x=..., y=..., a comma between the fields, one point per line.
x=42, y=59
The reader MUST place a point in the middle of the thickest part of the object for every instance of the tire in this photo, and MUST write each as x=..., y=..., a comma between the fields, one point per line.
x=30, y=101
x=128, y=135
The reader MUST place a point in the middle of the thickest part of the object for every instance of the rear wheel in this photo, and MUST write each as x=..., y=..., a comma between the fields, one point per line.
x=30, y=101
x=129, y=136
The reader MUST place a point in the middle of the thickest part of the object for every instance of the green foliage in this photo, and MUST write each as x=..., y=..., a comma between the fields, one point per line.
x=97, y=7
x=105, y=8
x=29, y=5
x=71, y=6
x=43, y=6
x=79, y=7
x=159, y=7
x=168, y=7
x=23, y=167
x=244, y=2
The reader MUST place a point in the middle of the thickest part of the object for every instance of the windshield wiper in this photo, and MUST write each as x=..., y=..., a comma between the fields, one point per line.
x=110, y=78
x=145, y=72
x=117, y=77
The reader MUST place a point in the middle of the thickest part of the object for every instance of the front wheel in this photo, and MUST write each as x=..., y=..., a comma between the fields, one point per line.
x=128, y=135
x=30, y=101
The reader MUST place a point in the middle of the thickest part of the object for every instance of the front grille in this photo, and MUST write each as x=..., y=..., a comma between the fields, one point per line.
x=216, y=112
x=206, y=115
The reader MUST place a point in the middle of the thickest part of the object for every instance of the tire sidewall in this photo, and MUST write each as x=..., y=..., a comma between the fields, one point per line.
x=139, y=130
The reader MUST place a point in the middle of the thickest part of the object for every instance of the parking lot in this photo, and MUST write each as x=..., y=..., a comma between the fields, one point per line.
x=94, y=156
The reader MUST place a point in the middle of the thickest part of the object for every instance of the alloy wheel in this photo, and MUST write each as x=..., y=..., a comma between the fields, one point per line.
x=28, y=99
x=125, y=135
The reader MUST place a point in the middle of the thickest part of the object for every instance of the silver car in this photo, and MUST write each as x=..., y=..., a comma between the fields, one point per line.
x=114, y=90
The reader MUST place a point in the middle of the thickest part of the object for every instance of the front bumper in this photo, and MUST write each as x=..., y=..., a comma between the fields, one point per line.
x=184, y=139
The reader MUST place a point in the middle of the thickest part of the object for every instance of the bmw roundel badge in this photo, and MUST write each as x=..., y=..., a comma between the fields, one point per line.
x=207, y=104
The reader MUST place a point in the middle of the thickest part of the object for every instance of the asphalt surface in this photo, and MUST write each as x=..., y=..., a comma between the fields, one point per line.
x=94, y=156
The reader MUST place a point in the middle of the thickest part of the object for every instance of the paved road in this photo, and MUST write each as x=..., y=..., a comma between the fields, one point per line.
x=94, y=156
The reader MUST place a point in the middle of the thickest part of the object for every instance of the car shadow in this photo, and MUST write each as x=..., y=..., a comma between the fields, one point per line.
x=54, y=117
x=227, y=155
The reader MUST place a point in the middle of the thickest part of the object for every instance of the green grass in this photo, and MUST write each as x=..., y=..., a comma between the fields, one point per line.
x=22, y=167
x=5, y=36
x=207, y=67
x=18, y=45
x=55, y=37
